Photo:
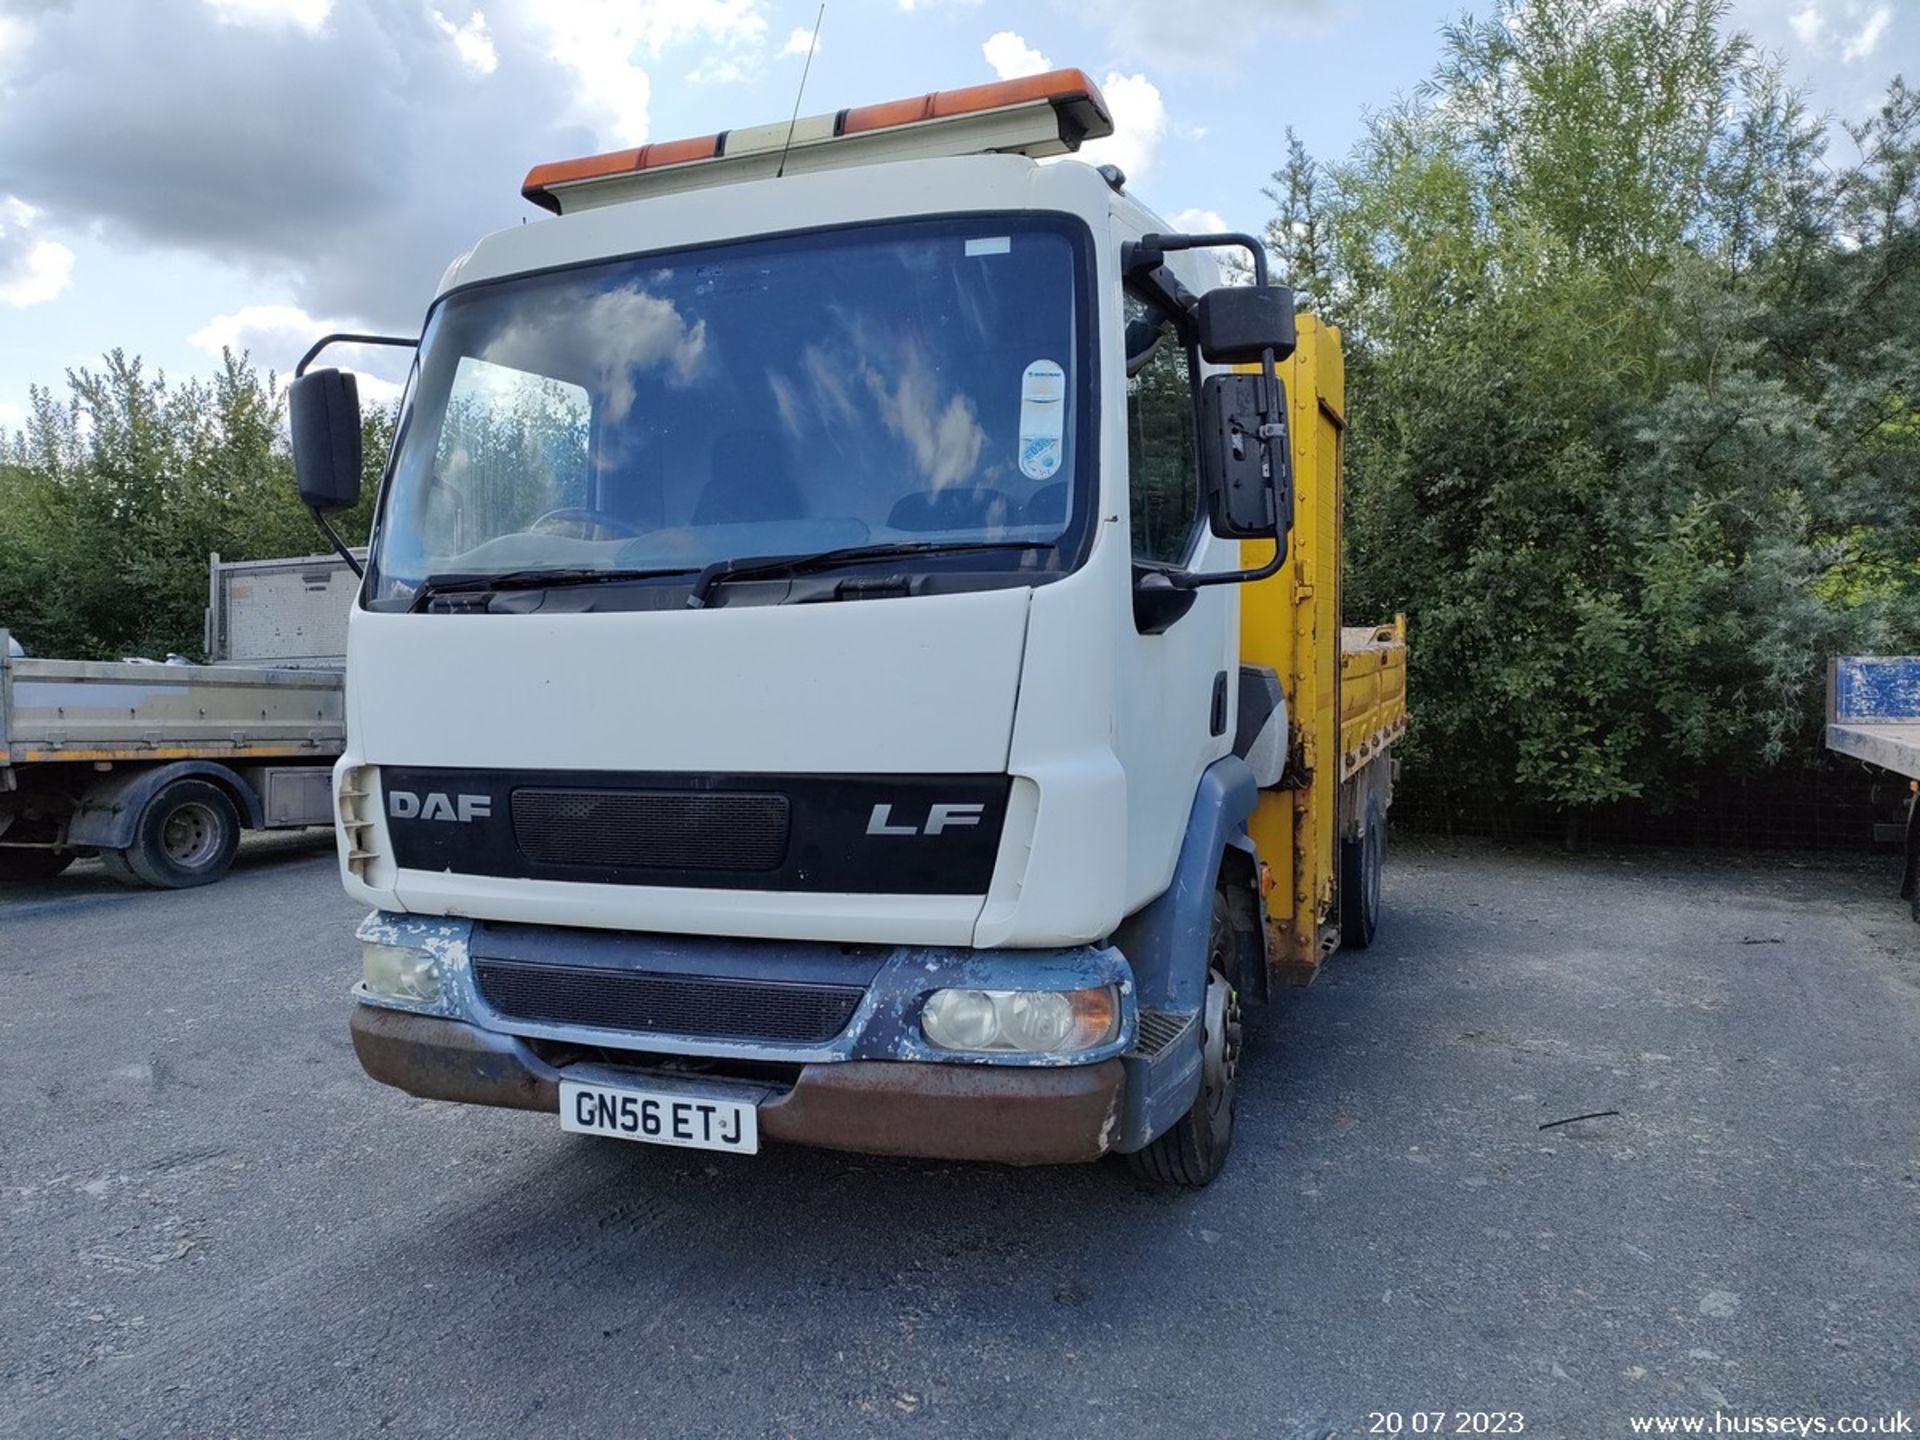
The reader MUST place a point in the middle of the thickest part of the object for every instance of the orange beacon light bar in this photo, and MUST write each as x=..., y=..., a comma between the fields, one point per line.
x=1036, y=115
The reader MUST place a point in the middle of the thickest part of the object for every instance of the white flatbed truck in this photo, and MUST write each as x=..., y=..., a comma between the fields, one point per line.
x=157, y=767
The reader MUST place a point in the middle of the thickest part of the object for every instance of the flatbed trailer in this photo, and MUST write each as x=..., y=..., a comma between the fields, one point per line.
x=1873, y=715
x=158, y=767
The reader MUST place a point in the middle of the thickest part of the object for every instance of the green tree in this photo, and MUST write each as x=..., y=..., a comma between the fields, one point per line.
x=1296, y=236
x=1632, y=373
x=112, y=499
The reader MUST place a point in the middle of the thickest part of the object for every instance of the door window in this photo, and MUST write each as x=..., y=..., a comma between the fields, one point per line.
x=1162, y=474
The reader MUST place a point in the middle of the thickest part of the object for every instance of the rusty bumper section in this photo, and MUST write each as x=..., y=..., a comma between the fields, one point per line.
x=446, y=1060
x=1016, y=1115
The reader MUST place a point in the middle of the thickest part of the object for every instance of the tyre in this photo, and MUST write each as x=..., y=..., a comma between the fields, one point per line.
x=1361, y=862
x=1194, y=1148
x=186, y=835
x=19, y=863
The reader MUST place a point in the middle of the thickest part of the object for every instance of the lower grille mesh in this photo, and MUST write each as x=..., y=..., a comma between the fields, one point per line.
x=1158, y=1030
x=683, y=830
x=641, y=1002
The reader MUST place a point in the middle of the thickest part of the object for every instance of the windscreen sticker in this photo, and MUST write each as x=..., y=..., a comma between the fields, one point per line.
x=990, y=245
x=1043, y=418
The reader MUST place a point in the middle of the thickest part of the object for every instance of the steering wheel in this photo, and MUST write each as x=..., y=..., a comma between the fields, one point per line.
x=587, y=515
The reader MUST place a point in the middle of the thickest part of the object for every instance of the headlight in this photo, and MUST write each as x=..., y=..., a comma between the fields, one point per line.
x=400, y=974
x=1025, y=1021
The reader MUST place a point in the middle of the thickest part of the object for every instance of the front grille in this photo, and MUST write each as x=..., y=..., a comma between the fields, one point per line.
x=640, y=1002
x=664, y=829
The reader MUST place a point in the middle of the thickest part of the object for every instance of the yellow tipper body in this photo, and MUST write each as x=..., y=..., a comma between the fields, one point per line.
x=1346, y=690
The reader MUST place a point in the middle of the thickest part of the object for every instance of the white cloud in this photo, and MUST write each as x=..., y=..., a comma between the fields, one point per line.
x=1198, y=222
x=614, y=93
x=631, y=330
x=471, y=42
x=730, y=71
x=1011, y=57
x=800, y=43
x=104, y=125
x=599, y=41
x=14, y=35
x=911, y=5
x=280, y=326
x=1849, y=25
x=276, y=336
x=33, y=270
x=1867, y=38
x=377, y=390
x=1180, y=34
x=308, y=15
x=1139, y=125
x=12, y=414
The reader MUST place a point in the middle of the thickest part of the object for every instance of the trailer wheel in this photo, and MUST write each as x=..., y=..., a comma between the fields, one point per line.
x=186, y=835
x=20, y=863
x=1361, y=861
x=1194, y=1148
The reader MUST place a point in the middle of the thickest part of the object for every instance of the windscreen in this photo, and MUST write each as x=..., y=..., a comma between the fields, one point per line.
x=895, y=384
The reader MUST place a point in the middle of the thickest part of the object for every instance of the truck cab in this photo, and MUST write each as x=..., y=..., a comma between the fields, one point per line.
x=796, y=690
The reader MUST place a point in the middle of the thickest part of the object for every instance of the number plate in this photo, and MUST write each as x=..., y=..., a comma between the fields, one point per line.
x=659, y=1117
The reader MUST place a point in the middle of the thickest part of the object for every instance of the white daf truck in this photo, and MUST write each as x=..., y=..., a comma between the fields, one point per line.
x=798, y=689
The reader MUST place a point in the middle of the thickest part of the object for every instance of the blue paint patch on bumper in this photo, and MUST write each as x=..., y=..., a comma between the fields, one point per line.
x=884, y=1026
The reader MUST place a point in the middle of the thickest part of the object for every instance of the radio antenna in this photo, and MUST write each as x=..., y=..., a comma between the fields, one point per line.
x=794, y=119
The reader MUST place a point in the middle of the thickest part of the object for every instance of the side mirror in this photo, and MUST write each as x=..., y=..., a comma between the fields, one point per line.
x=1248, y=477
x=1237, y=322
x=323, y=412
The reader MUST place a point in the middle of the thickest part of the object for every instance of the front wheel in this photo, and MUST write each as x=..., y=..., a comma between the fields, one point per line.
x=1194, y=1148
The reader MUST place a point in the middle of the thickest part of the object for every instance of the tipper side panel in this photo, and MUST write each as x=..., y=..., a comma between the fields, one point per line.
x=1373, y=692
x=1291, y=622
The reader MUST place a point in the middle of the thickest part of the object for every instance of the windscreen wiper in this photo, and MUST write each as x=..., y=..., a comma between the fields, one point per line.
x=435, y=586
x=749, y=566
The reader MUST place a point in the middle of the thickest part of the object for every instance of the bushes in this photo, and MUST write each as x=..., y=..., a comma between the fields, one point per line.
x=1633, y=366
x=111, y=502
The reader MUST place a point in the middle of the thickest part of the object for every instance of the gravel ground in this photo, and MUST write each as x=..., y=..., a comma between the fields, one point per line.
x=215, y=1225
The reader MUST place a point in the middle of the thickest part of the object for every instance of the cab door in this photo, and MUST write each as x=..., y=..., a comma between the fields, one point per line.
x=1174, y=691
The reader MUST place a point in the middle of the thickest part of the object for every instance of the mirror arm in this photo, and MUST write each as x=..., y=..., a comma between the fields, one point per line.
x=1148, y=251
x=344, y=337
x=1143, y=265
x=346, y=552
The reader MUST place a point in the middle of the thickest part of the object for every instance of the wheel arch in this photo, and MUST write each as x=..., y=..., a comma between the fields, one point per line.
x=110, y=808
x=1240, y=879
x=1166, y=940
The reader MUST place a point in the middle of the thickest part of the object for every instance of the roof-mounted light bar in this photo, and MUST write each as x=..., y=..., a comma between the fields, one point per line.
x=1037, y=115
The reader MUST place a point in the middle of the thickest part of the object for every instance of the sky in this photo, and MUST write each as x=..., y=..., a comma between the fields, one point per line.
x=179, y=175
